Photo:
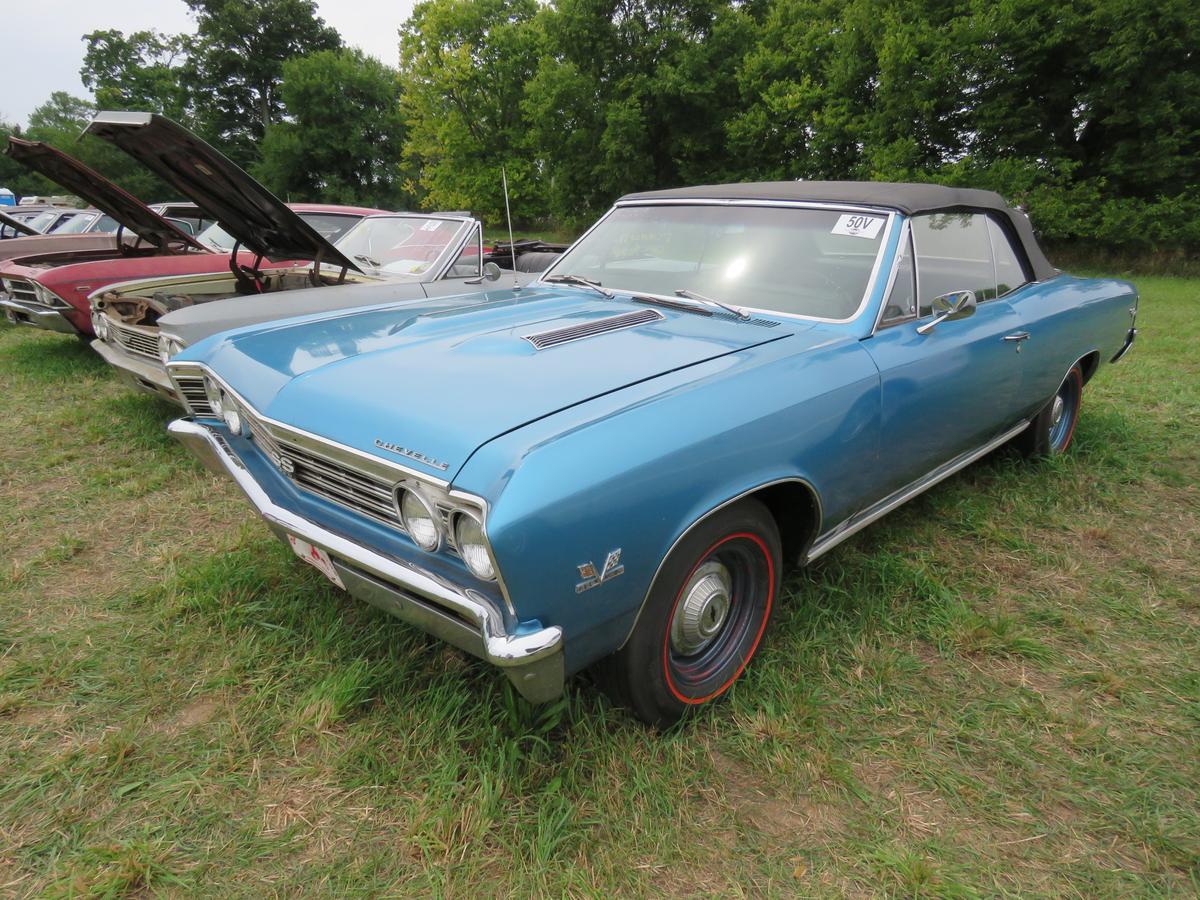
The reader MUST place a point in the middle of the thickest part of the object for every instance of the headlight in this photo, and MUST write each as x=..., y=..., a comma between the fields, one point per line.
x=6, y=285
x=216, y=398
x=420, y=519
x=47, y=297
x=168, y=347
x=233, y=419
x=472, y=545
x=100, y=324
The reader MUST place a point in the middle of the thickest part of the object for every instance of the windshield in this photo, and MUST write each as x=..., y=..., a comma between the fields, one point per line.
x=42, y=221
x=77, y=224
x=330, y=226
x=400, y=245
x=806, y=262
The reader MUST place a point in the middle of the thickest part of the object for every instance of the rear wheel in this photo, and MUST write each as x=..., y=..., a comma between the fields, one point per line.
x=704, y=618
x=1052, y=429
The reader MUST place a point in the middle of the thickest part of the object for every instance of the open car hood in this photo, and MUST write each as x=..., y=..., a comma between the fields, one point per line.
x=15, y=224
x=248, y=211
x=101, y=193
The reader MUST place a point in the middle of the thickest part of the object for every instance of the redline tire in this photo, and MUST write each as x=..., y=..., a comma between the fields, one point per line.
x=704, y=619
x=1053, y=428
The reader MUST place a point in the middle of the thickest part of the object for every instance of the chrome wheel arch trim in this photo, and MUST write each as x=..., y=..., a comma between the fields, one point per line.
x=789, y=479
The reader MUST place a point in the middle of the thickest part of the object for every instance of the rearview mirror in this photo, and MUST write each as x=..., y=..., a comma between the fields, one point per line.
x=949, y=307
x=491, y=272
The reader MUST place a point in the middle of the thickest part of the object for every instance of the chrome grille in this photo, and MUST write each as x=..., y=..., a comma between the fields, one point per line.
x=133, y=340
x=20, y=289
x=325, y=477
x=191, y=389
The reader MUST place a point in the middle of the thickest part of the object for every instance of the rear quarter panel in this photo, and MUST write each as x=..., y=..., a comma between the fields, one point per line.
x=1067, y=318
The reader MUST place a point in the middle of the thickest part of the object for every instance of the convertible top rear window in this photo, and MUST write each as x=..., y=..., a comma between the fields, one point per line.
x=801, y=261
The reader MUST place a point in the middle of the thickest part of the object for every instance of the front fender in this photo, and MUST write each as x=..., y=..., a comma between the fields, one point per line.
x=633, y=470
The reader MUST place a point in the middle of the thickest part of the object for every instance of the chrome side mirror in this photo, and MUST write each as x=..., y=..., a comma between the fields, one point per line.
x=491, y=272
x=950, y=307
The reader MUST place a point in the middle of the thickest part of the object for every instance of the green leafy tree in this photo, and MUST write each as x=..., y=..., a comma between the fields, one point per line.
x=144, y=70
x=343, y=138
x=236, y=65
x=633, y=95
x=463, y=64
x=59, y=122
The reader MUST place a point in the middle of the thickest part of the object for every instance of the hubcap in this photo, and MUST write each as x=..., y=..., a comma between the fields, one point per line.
x=1056, y=412
x=702, y=610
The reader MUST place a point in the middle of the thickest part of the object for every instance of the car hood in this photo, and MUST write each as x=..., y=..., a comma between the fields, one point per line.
x=425, y=384
x=258, y=219
x=98, y=191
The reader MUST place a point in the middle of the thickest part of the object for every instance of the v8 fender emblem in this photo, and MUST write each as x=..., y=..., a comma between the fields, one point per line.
x=592, y=578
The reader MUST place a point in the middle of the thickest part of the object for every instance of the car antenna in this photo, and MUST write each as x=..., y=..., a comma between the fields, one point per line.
x=512, y=247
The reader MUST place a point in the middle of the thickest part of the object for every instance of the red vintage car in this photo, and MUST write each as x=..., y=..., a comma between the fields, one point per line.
x=50, y=289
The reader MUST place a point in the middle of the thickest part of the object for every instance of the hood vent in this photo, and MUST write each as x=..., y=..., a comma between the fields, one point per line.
x=545, y=339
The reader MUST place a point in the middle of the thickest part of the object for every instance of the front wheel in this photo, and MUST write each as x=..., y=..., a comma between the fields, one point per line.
x=1052, y=429
x=704, y=618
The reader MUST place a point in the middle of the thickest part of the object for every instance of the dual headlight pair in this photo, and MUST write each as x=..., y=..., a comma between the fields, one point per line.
x=168, y=347
x=421, y=519
x=418, y=513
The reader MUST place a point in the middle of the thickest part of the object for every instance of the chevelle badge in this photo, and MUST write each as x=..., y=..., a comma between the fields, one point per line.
x=858, y=226
x=412, y=454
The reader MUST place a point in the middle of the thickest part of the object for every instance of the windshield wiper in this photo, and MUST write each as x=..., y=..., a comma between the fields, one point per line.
x=700, y=298
x=579, y=281
x=363, y=258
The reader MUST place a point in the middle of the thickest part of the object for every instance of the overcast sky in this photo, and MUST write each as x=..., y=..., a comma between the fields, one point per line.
x=42, y=48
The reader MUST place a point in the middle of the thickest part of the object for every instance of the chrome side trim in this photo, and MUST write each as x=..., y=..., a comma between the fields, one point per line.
x=854, y=524
x=794, y=479
x=533, y=661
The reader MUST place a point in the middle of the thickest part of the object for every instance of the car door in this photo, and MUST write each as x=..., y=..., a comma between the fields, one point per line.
x=949, y=387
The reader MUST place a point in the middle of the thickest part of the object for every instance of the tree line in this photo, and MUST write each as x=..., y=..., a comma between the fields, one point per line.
x=1087, y=114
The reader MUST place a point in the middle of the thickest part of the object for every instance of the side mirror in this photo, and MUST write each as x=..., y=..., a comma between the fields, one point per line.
x=491, y=272
x=950, y=307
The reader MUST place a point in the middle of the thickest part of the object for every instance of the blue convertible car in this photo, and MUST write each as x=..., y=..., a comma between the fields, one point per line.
x=612, y=466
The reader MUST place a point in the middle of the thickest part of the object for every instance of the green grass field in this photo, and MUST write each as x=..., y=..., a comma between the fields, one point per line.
x=995, y=690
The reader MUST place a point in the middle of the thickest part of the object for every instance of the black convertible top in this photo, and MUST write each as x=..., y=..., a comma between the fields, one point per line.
x=907, y=198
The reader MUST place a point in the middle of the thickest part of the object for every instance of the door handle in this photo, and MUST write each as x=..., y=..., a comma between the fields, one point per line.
x=1017, y=336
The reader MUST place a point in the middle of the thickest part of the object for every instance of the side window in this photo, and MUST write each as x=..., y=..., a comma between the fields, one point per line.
x=901, y=302
x=470, y=262
x=1010, y=274
x=954, y=253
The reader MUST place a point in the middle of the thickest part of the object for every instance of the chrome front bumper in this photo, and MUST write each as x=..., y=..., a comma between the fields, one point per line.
x=533, y=661
x=141, y=373
x=20, y=313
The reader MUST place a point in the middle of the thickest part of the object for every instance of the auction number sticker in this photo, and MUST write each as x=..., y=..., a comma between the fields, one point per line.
x=858, y=225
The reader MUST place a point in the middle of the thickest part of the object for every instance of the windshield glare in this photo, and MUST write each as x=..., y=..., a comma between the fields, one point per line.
x=399, y=245
x=806, y=262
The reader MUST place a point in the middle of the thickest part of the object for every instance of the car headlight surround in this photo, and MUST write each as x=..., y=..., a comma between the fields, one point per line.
x=100, y=324
x=472, y=544
x=420, y=518
x=216, y=397
x=47, y=297
x=167, y=347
